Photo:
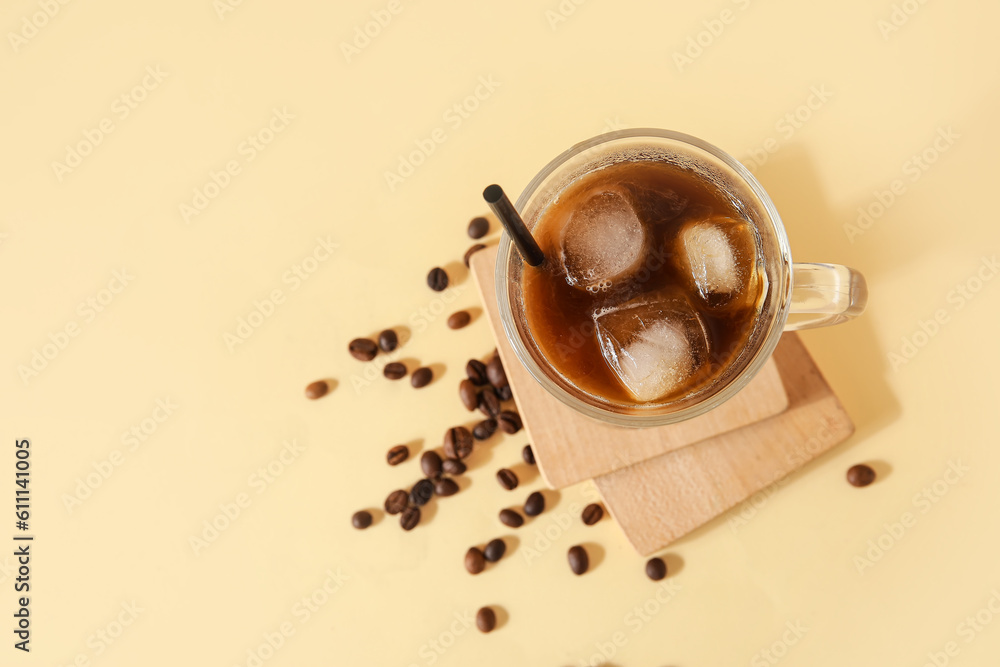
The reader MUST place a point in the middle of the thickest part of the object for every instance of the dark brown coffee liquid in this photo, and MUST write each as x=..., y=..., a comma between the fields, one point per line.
x=560, y=315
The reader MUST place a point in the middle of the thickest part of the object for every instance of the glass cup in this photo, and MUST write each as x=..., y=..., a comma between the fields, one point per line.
x=796, y=295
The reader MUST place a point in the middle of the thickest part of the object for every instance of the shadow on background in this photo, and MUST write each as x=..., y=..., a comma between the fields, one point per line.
x=851, y=356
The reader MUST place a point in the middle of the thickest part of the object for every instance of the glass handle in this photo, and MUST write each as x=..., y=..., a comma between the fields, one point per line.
x=825, y=294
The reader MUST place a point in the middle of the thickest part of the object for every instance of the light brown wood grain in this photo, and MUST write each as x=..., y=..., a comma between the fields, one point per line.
x=570, y=447
x=661, y=499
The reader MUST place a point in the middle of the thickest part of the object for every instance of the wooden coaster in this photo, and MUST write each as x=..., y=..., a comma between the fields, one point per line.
x=570, y=447
x=661, y=499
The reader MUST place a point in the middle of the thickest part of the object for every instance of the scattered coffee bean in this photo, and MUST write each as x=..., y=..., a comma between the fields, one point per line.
x=471, y=251
x=421, y=377
x=495, y=372
x=656, y=569
x=592, y=513
x=860, y=475
x=430, y=463
x=467, y=392
x=479, y=227
x=388, y=340
x=409, y=518
x=397, y=501
x=453, y=466
x=397, y=455
x=457, y=443
x=489, y=403
x=476, y=370
x=445, y=487
x=363, y=349
x=486, y=619
x=535, y=504
x=485, y=429
x=578, y=560
x=507, y=479
x=317, y=389
x=361, y=520
x=459, y=320
x=528, y=455
x=475, y=562
x=505, y=393
x=511, y=518
x=437, y=279
x=394, y=371
x=510, y=422
x=494, y=550
x=421, y=492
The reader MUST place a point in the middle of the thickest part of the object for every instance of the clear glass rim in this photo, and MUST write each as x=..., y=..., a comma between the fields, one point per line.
x=781, y=290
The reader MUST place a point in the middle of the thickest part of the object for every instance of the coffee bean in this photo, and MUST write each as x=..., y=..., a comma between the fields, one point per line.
x=860, y=475
x=437, y=279
x=397, y=501
x=317, y=389
x=467, y=392
x=511, y=518
x=394, y=371
x=505, y=393
x=489, y=403
x=409, y=518
x=361, y=520
x=578, y=560
x=476, y=370
x=453, y=466
x=592, y=513
x=486, y=619
x=463, y=449
x=421, y=377
x=479, y=227
x=363, y=349
x=397, y=455
x=510, y=422
x=474, y=560
x=495, y=372
x=656, y=569
x=528, y=455
x=430, y=463
x=507, y=479
x=459, y=319
x=445, y=487
x=494, y=550
x=457, y=443
x=485, y=429
x=421, y=492
x=471, y=251
x=388, y=340
x=535, y=504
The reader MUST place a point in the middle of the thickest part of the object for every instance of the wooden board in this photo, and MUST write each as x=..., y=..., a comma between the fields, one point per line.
x=661, y=499
x=570, y=447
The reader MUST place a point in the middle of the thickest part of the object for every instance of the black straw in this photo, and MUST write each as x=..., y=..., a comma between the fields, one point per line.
x=512, y=222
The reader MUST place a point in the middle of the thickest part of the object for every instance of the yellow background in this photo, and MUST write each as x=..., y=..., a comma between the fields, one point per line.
x=789, y=557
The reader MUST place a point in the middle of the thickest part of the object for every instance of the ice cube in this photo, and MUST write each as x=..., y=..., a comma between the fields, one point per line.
x=719, y=255
x=603, y=241
x=653, y=343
